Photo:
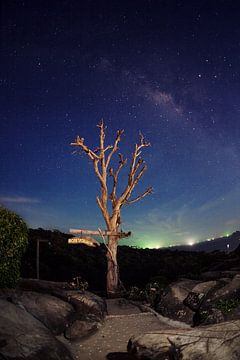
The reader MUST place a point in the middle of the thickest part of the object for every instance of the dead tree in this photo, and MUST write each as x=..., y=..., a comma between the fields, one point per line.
x=101, y=160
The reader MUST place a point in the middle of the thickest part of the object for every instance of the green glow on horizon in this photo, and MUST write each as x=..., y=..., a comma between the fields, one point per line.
x=146, y=240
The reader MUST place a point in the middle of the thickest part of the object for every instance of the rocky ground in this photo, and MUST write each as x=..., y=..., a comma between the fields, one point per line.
x=213, y=299
x=122, y=322
x=195, y=319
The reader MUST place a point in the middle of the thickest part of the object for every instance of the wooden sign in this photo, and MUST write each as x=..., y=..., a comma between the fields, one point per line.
x=96, y=232
x=86, y=240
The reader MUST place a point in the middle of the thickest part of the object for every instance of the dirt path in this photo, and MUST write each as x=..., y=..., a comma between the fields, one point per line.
x=110, y=342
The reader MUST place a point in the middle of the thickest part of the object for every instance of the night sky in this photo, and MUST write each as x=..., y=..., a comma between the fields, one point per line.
x=168, y=68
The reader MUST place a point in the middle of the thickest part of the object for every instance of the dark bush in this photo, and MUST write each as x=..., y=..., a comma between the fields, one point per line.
x=13, y=243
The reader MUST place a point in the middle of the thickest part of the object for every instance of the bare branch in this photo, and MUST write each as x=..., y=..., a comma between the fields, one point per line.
x=147, y=192
x=142, y=140
x=115, y=146
x=102, y=138
x=134, y=176
x=80, y=142
x=108, y=148
x=104, y=241
x=140, y=174
x=104, y=196
x=134, y=183
x=122, y=162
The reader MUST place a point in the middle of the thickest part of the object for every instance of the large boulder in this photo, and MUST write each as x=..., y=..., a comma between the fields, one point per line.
x=216, y=342
x=43, y=286
x=24, y=337
x=216, y=275
x=82, y=327
x=53, y=312
x=222, y=304
x=230, y=290
x=84, y=302
x=90, y=310
x=195, y=302
x=83, y=311
x=172, y=303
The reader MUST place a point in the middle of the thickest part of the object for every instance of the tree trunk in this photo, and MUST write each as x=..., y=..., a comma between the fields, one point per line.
x=112, y=267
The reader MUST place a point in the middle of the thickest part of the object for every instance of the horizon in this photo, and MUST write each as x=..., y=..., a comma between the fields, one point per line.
x=146, y=246
x=170, y=70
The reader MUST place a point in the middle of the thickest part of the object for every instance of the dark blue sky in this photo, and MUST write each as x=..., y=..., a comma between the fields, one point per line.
x=167, y=68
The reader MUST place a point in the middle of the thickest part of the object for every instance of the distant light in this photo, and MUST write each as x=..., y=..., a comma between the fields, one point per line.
x=227, y=235
x=191, y=241
x=228, y=246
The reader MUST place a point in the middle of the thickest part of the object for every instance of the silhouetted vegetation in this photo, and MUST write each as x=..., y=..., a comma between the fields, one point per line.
x=13, y=243
x=60, y=261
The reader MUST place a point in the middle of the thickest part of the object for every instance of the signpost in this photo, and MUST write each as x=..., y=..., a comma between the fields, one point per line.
x=37, y=255
x=89, y=241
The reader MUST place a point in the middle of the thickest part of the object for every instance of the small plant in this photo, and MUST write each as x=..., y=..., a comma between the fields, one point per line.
x=79, y=284
x=203, y=315
x=13, y=243
x=227, y=305
x=136, y=294
x=153, y=292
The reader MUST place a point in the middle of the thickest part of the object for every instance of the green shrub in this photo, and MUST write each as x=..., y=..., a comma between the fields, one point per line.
x=136, y=294
x=153, y=292
x=227, y=305
x=79, y=284
x=13, y=243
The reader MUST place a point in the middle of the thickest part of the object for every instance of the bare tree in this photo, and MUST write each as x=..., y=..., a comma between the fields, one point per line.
x=101, y=159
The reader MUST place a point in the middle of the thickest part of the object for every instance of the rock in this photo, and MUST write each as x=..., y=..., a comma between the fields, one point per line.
x=205, y=287
x=230, y=273
x=216, y=342
x=216, y=275
x=86, y=303
x=171, y=304
x=82, y=312
x=24, y=337
x=230, y=290
x=82, y=328
x=43, y=286
x=83, y=301
x=53, y=312
x=200, y=304
x=234, y=314
x=194, y=301
x=212, y=316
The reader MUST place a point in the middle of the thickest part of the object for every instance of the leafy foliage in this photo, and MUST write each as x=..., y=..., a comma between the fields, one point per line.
x=13, y=243
x=150, y=294
x=153, y=292
x=79, y=284
x=227, y=305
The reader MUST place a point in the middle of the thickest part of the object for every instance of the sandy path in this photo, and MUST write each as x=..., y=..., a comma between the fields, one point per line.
x=110, y=342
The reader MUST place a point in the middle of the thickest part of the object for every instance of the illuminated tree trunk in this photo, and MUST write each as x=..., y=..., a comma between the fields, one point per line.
x=112, y=267
x=101, y=163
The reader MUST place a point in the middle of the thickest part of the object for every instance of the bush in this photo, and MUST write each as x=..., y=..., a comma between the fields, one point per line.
x=13, y=243
x=153, y=293
x=227, y=305
x=135, y=294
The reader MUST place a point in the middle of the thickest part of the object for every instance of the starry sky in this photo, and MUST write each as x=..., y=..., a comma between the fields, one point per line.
x=168, y=68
